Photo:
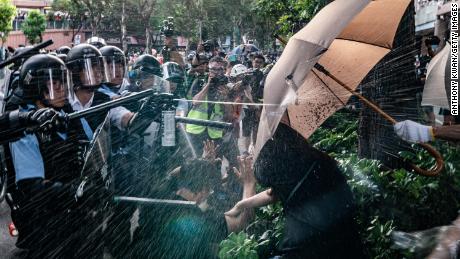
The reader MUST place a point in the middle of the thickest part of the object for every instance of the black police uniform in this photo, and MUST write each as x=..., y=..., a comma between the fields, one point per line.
x=48, y=203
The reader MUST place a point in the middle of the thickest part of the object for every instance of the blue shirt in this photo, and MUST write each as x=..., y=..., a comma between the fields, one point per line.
x=27, y=158
x=107, y=91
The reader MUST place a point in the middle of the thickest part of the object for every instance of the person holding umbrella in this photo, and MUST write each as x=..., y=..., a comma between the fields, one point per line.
x=435, y=93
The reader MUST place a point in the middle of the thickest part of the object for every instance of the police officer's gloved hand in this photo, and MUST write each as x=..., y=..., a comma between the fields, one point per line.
x=144, y=116
x=47, y=119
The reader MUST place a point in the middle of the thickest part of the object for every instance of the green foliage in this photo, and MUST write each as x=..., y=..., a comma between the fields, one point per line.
x=73, y=9
x=396, y=199
x=7, y=13
x=290, y=15
x=34, y=26
x=218, y=18
x=260, y=239
x=239, y=246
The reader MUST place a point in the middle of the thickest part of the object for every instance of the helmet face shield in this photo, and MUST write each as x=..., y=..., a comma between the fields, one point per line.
x=173, y=72
x=115, y=69
x=88, y=72
x=145, y=80
x=55, y=85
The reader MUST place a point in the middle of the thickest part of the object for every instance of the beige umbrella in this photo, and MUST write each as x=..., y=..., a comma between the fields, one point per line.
x=301, y=53
x=434, y=91
x=334, y=78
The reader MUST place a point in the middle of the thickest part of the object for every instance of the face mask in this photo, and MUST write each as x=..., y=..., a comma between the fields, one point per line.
x=434, y=47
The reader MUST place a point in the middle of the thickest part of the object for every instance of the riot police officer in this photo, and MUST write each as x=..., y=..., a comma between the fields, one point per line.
x=86, y=66
x=122, y=161
x=115, y=69
x=144, y=73
x=45, y=165
x=174, y=74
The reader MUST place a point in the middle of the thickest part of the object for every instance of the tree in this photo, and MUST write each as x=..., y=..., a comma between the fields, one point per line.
x=145, y=9
x=34, y=26
x=74, y=12
x=7, y=13
x=289, y=15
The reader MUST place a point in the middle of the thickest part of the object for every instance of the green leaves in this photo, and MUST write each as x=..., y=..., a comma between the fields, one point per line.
x=7, y=13
x=290, y=15
x=34, y=26
x=239, y=246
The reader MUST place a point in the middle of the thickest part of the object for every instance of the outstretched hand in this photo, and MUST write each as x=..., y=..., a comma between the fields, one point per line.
x=245, y=173
x=210, y=150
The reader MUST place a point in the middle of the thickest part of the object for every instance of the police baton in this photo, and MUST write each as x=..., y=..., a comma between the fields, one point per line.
x=111, y=104
x=141, y=95
x=152, y=202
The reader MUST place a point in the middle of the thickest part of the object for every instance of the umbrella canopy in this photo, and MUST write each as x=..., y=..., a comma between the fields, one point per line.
x=244, y=48
x=434, y=92
x=302, y=52
x=361, y=45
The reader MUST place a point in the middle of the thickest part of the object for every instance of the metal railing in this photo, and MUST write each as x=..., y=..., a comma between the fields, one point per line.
x=50, y=25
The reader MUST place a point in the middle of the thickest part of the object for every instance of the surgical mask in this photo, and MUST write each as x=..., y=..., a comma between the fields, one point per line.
x=434, y=47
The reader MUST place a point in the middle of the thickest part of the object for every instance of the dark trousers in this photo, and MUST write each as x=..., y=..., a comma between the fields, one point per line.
x=51, y=225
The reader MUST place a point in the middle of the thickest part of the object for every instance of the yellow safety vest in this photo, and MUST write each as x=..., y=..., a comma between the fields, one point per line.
x=201, y=112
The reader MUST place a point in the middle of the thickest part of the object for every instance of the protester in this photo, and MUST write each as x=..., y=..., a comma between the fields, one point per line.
x=199, y=230
x=317, y=202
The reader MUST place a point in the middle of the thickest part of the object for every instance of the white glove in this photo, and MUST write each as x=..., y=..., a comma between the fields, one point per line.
x=413, y=132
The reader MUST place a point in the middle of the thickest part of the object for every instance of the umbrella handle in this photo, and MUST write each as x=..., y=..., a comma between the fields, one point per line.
x=278, y=37
x=431, y=150
x=439, y=162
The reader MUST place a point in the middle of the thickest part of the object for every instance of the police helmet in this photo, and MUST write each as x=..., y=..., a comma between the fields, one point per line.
x=63, y=57
x=115, y=65
x=147, y=63
x=63, y=50
x=44, y=77
x=86, y=66
x=173, y=72
x=98, y=42
x=17, y=64
x=146, y=72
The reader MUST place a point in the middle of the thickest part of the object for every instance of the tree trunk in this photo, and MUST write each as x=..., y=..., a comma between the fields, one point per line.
x=124, y=43
x=147, y=39
x=93, y=28
x=392, y=85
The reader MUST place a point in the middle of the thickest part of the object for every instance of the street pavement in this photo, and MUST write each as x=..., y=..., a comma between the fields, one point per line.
x=7, y=248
